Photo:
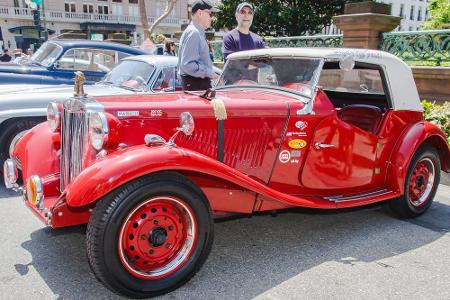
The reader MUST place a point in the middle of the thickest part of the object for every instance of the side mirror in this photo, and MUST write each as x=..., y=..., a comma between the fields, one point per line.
x=187, y=124
x=187, y=127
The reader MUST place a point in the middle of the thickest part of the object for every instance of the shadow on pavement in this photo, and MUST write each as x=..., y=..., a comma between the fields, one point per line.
x=251, y=255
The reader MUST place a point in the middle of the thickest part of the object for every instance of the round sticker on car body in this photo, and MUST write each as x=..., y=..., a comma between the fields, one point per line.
x=297, y=144
x=284, y=156
x=301, y=125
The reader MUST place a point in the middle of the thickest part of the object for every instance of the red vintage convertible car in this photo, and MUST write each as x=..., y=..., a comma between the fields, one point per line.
x=316, y=128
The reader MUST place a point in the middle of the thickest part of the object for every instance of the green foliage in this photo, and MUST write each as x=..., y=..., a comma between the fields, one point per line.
x=438, y=114
x=440, y=15
x=282, y=17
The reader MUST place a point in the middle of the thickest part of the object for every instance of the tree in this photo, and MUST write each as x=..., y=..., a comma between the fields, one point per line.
x=144, y=22
x=167, y=11
x=283, y=17
x=440, y=15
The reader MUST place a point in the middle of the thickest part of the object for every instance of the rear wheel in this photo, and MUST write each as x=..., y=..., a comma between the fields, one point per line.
x=421, y=184
x=150, y=237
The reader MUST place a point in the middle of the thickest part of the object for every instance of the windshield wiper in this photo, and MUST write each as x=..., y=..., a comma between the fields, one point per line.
x=130, y=88
x=106, y=82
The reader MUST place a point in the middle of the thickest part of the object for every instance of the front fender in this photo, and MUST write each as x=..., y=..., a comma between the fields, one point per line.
x=22, y=113
x=131, y=163
x=414, y=137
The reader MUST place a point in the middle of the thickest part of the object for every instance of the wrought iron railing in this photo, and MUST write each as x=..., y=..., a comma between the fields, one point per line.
x=296, y=41
x=430, y=46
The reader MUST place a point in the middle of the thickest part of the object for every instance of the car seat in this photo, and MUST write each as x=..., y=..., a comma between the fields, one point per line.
x=366, y=117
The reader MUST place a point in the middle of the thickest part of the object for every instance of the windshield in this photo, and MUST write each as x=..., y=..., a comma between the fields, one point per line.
x=46, y=54
x=294, y=74
x=130, y=74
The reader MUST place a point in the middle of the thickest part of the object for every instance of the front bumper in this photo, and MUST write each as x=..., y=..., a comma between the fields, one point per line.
x=43, y=198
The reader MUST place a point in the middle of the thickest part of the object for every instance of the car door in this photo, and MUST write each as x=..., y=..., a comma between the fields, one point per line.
x=345, y=152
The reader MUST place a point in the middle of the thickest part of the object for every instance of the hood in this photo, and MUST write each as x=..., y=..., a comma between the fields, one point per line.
x=26, y=96
x=170, y=105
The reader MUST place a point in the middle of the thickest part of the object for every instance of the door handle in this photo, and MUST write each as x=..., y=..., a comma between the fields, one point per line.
x=319, y=145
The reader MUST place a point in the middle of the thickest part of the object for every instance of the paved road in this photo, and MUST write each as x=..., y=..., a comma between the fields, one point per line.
x=355, y=254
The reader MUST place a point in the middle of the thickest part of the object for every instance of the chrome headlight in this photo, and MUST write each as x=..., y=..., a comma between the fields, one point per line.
x=10, y=174
x=98, y=130
x=53, y=116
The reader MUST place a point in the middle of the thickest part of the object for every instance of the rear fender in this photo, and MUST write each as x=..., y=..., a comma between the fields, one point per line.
x=131, y=163
x=416, y=136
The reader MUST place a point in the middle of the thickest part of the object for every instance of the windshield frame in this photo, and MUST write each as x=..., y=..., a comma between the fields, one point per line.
x=59, y=47
x=149, y=80
x=314, y=80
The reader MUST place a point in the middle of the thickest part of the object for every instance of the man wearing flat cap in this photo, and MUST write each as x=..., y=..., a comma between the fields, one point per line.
x=241, y=38
x=196, y=68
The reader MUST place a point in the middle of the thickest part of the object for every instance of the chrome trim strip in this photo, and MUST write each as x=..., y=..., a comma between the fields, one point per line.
x=341, y=198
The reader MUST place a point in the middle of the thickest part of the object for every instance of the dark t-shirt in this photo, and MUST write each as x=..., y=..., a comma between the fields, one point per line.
x=5, y=58
x=235, y=41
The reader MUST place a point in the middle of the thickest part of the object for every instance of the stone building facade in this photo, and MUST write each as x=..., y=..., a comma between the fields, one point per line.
x=413, y=13
x=97, y=18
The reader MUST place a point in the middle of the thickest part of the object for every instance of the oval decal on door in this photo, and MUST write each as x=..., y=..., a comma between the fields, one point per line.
x=297, y=144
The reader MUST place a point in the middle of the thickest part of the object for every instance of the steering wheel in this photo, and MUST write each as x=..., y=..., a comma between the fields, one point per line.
x=244, y=82
x=142, y=82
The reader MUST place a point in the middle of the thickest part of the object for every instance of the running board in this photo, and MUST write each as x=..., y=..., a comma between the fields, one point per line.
x=341, y=198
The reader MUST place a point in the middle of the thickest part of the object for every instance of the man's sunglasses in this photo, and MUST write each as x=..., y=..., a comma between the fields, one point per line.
x=211, y=14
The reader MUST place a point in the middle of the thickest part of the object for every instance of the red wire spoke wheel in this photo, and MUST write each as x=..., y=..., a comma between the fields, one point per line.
x=157, y=237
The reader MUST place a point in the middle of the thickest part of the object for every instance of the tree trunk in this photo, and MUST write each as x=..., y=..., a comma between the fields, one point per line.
x=167, y=11
x=144, y=20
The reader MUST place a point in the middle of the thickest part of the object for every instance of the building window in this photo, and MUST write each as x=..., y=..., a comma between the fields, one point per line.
x=419, y=14
x=161, y=7
x=103, y=9
x=133, y=1
x=70, y=7
x=133, y=11
x=116, y=0
x=402, y=7
x=20, y=4
x=411, y=13
x=410, y=28
x=88, y=8
x=117, y=9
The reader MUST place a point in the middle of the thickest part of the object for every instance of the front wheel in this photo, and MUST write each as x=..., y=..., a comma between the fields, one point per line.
x=12, y=131
x=150, y=237
x=421, y=183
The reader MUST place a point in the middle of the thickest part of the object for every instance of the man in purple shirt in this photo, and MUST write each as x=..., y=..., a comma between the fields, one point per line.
x=241, y=38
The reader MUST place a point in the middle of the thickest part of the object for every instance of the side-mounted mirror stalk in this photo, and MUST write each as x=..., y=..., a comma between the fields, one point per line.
x=187, y=126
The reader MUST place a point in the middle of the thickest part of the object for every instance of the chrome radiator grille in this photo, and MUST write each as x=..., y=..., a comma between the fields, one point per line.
x=74, y=139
